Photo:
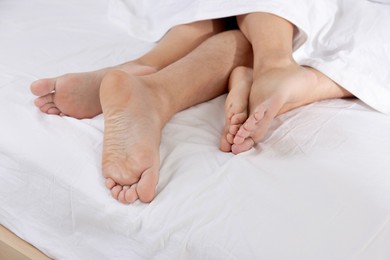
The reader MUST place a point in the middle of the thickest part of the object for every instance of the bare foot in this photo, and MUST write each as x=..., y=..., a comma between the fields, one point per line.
x=132, y=135
x=277, y=91
x=77, y=94
x=236, y=105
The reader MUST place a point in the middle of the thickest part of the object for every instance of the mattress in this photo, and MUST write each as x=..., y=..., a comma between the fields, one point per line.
x=317, y=187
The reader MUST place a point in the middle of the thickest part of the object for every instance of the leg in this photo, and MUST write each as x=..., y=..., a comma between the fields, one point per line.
x=77, y=94
x=279, y=83
x=137, y=108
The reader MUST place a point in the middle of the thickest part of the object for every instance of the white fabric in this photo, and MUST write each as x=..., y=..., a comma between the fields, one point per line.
x=387, y=2
x=316, y=188
x=150, y=20
x=348, y=40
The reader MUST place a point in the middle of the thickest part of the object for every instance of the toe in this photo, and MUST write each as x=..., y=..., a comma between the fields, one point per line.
x=238, y=118
x=251, y=123
x=131, y=194
x=41, y=101
x=238, y=139
x=246, y=129
x=43, y=87
x=54, y=111
x=246, y=145
x=121, y=196
x=119, y=171
x=233, y=129
x=128, y=194
x=110, y=183
x=146, y=187
x=230, y=138
x=46, y=107
x=115, y=191
x=243, y=133
x=225, y=146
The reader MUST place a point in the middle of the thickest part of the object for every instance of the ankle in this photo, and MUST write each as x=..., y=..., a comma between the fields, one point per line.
x=163, y=102
x=268, y=63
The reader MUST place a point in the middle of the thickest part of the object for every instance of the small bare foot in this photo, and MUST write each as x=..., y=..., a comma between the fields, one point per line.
x=77, y=94
x=236, y=105
x=132, y=135
x=277, y=91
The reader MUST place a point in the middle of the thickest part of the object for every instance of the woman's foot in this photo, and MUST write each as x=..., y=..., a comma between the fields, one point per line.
x=236, y=105
x=132, y=132
x=77, y=94
x=277, y=91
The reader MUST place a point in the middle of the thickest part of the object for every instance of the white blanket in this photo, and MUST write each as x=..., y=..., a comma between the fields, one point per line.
x=347, y=40
x=316, y=188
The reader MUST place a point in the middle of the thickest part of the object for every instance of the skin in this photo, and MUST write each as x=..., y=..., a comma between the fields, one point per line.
x=137, y=108
x=236, y=105
x=77, y=94
x=279, y=83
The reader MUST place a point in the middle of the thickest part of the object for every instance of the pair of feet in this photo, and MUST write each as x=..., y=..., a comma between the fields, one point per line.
x=133, y=121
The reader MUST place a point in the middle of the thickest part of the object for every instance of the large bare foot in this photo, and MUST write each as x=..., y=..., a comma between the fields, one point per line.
x=132, y=135
x=277, y=91
x=236, y=105
x=77, y=94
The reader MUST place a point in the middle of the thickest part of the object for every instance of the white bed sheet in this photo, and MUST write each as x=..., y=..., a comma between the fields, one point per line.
x=316, y=188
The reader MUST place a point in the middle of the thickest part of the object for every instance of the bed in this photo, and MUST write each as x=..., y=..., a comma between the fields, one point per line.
x=317, y=187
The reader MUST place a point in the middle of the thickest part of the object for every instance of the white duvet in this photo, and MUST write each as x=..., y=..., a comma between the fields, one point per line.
x=316, y=188
x=342, y=38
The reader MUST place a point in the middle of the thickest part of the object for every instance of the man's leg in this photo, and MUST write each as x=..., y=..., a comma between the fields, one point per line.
x=77, y=94
x=136, y=108
x=279, y=83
